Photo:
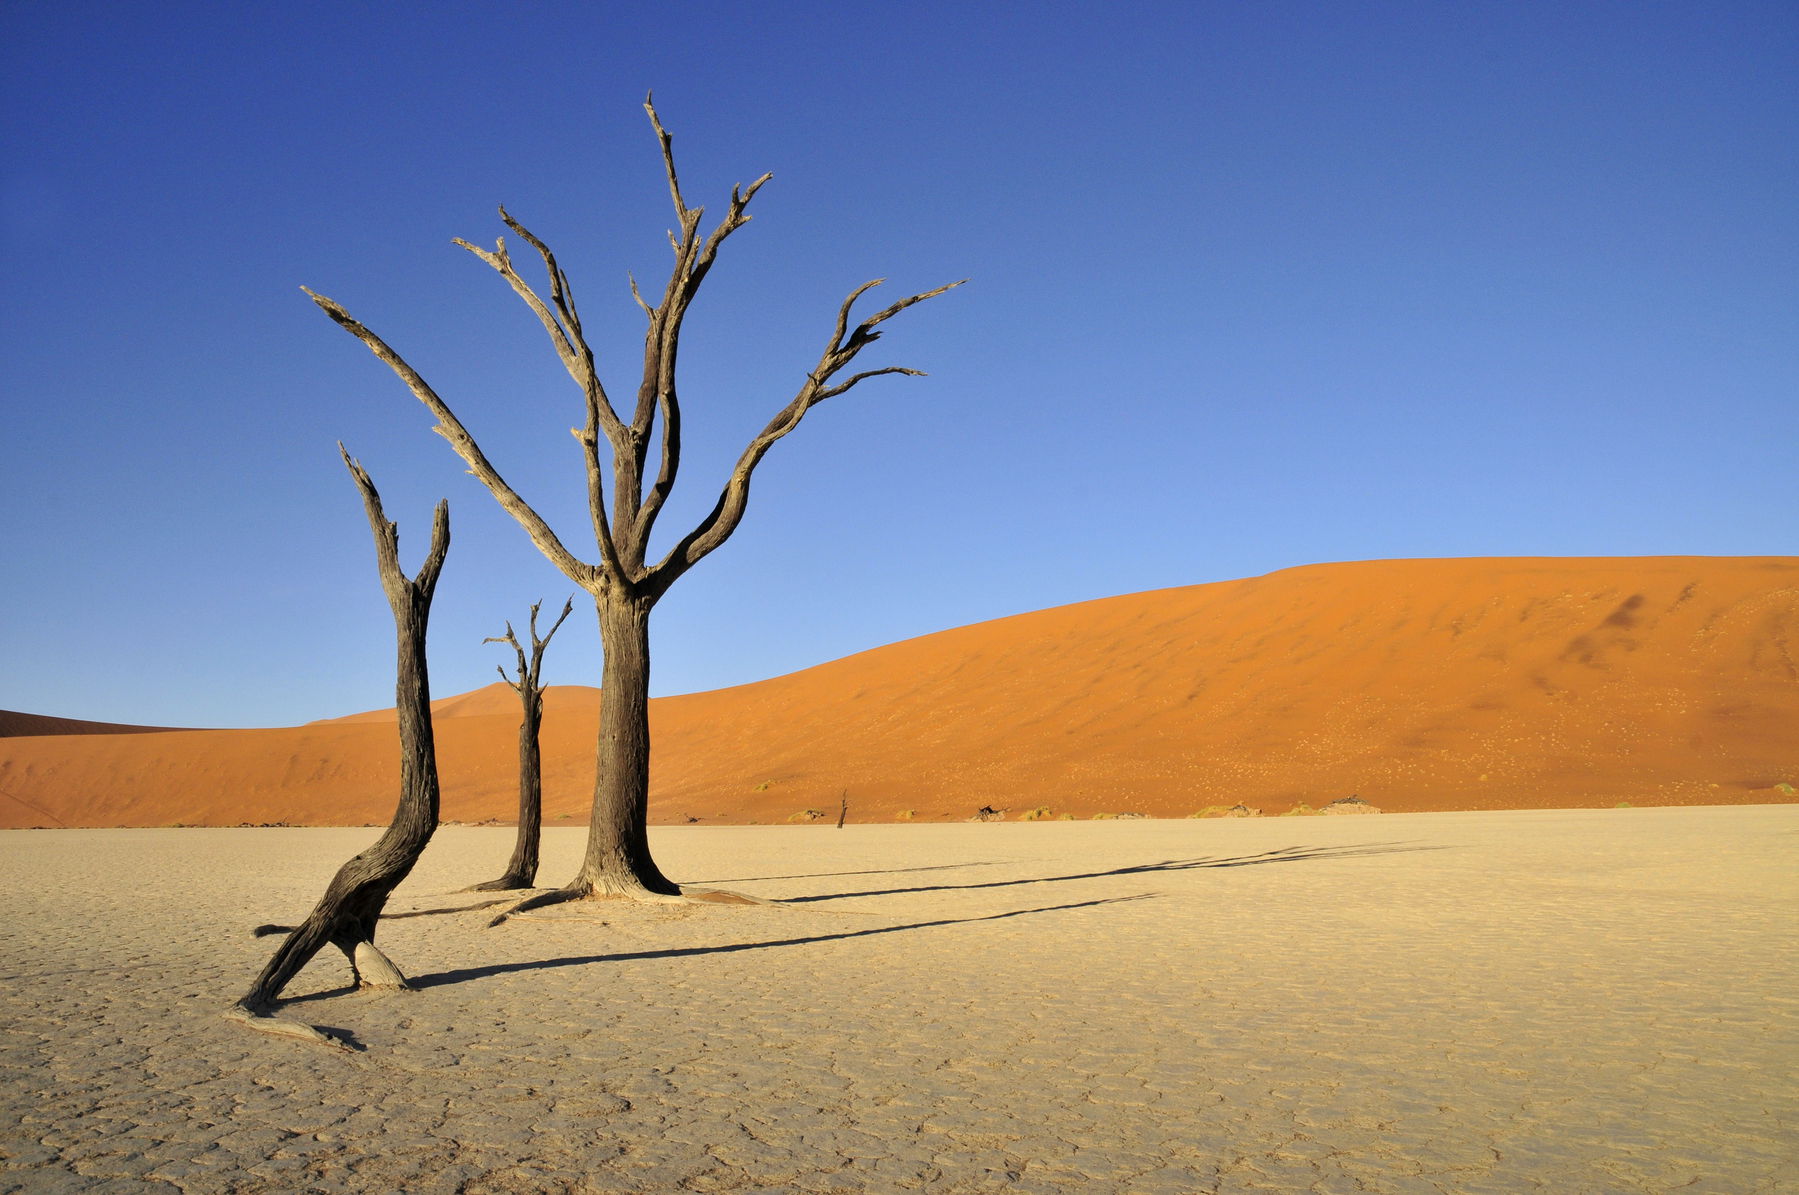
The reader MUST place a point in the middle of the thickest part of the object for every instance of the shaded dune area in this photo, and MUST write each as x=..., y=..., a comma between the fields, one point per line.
x=1417, y=685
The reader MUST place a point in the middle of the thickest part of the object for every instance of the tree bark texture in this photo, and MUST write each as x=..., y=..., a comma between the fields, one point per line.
x=349, y=913
x=618, y=860
x=617, y=446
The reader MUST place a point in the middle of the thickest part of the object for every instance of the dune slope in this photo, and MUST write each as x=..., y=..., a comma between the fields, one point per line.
x=1419, y=685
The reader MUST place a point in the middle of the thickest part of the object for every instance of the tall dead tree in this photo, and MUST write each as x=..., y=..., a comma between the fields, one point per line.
x=624, y=583
x=348, y=914
x=521, y=870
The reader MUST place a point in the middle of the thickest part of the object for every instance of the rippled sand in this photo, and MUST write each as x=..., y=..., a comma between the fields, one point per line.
x=1564, y=1001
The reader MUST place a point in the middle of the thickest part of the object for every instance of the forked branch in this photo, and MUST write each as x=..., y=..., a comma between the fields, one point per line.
x=693, y=261
x=728, y=511
x=387, y=538
x=529, y=671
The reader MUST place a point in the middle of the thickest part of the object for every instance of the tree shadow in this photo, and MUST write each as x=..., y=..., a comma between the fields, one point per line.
x=448, y=909
x=1288, y=854
x=342, y=989
x=465, y=974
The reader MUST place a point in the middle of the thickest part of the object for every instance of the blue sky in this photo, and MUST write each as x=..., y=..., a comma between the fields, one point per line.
x=1254, y=286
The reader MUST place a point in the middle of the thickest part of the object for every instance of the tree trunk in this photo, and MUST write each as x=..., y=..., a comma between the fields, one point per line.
x=350, y=911
x=521, y=870
x=618, y=861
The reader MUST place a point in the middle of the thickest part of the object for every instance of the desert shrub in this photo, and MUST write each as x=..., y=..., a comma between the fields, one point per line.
x=806, y=815
x=906, y=815
x=1300, y=810
x=1035, y=815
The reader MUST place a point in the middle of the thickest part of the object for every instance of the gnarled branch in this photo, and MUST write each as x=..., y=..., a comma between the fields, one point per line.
x=693, y=260
x=728, y=511
x=451, y=429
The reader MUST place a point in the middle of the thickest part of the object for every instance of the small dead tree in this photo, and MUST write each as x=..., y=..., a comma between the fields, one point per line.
x=625, y=584
x=521, y=871
x=347, y=915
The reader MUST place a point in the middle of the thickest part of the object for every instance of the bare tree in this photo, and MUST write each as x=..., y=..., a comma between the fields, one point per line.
x=521, y=870
x=347, y=915
x=624, y=583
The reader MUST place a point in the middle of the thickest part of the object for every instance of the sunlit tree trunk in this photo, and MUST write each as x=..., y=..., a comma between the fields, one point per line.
x=349, y=913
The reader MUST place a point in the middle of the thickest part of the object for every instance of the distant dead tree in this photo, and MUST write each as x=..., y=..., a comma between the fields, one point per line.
x=624, y=585
x=521, y=871
x=347, y=915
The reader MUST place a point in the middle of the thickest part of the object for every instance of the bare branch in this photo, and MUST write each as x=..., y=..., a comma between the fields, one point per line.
x=560, y=292
x=426, y=578
x=563, y=325
x=387, y=539
x=728, y=511
x=589, y=439
x=843, y=312
x=539, y=644
x=387, y=533
x=735, y=218
x=451, y=429
x=657, y=393
x=834, y=391
x=511, y=638
x=668, y=157
x=864, y=332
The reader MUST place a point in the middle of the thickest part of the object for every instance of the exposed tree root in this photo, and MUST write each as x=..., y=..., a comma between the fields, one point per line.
x=375, y=970
x=506, y=883
x=541, y=900
x=719, y=896
x=587, y=892
x=264, y=1022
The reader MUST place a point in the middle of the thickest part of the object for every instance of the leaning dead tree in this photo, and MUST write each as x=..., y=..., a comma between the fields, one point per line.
x=347, y=915
x=521, y=870
x=623, y=453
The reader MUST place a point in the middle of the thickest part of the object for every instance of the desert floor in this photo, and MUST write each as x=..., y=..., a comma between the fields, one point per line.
x=1567, y=1001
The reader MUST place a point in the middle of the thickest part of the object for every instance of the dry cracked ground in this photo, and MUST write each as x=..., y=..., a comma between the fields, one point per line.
x=1596, y=1001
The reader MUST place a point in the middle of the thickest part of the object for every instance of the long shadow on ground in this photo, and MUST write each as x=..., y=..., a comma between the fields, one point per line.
x=1291, y=854
x=464, y=974
x=1286, y=854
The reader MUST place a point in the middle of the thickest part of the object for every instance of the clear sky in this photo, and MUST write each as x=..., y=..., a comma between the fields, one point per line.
x=1254, y=285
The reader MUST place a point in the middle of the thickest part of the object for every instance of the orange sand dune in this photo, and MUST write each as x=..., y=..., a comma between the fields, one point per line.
x=17, y=725
x=1419, y=685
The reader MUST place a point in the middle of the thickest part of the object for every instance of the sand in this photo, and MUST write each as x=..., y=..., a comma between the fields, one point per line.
x=1419, y=685
x=1586, y=1001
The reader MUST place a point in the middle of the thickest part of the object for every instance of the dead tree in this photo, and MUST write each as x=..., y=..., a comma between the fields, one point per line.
x=625, y=584
x=521, y=871
x=347, y=915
